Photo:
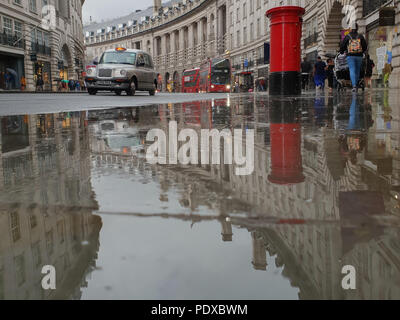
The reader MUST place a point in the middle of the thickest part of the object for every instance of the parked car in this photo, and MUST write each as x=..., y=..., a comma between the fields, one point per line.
x=120, y=70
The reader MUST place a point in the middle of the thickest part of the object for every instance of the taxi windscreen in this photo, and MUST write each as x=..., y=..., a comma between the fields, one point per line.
x=118, y=58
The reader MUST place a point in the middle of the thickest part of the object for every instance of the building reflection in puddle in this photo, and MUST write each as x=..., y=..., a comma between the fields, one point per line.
x=46, y=205
x=313, y=201
x=324, y=193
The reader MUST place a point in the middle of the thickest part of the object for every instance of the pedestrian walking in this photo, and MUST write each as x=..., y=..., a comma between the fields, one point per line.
x=319, y=73
x=39, y=84
x=8, y=80
x=23, y=83
x=369, y=68
x=78, y=86
x=2, y=80
x=306, y=69
x=262, y=84
x=159, y=82
x=71, y=85
x=330, y=73
x=354, y=45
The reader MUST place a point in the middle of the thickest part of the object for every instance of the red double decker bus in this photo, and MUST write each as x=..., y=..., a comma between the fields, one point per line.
x=215, y=75
x=190, y=80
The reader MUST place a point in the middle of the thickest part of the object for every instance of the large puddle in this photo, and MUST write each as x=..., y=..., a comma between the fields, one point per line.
x=77, y=193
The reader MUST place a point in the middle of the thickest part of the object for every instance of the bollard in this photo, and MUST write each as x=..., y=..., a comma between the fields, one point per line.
x=285, y=57
x=285, y=133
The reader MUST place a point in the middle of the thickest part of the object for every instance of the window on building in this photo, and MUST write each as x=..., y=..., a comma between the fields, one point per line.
x=244, y=10
x=32, y=5
x=244, y=35
x=61, y=231
x=7, y=25
x=45, y=4
x=33, y=221
x=49, y=242
x=37, y=257
x=18, y=29
x=15, y=226
x=19, y=262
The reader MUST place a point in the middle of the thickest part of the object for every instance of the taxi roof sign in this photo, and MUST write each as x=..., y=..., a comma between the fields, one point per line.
x=120, y=49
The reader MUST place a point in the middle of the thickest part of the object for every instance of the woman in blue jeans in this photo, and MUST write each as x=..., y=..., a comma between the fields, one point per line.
x=354, y=45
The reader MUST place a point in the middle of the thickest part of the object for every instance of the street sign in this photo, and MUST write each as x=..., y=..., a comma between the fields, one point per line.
x=33, y=57
x=387, y=16
x=246, y=63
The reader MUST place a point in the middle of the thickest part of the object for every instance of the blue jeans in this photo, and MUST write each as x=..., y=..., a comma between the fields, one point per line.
x=355, y=64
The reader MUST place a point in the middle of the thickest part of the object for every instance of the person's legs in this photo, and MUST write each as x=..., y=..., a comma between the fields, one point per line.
x=367, y=82
x=355, y=64
x=352, y=68
x=358, y=65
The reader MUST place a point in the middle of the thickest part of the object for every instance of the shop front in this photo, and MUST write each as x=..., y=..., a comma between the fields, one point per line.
x=381, y=35
x=11, y=71
x=42, y=69
x=63, y=73
x=244, y=81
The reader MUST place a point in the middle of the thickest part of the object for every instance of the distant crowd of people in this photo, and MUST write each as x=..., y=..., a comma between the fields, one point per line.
x=71, y=85
x=7, y=80
x=354, y=49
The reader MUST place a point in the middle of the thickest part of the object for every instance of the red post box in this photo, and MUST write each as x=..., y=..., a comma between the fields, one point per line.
x=285, y=133
x=285, y=57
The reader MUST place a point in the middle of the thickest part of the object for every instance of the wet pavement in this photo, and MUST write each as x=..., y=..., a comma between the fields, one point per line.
x=78, y=193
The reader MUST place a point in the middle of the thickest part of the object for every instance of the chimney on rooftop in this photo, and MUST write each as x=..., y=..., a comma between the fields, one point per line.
x=156, y=7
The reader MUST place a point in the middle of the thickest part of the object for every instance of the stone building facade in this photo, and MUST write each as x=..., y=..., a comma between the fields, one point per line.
x=51, y=30
x=47, y=205
x=181, y=34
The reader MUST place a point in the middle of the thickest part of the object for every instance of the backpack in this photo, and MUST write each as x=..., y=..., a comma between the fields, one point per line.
x=354, y=46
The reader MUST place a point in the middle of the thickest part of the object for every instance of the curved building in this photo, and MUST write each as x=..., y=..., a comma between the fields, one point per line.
x=181, y=34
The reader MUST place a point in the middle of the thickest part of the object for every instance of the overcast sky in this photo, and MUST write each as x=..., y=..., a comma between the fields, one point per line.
x=108, y=9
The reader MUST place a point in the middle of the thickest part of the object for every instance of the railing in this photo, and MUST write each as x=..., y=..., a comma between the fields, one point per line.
x=311, y=40
x=40, y=49
x=12, y=41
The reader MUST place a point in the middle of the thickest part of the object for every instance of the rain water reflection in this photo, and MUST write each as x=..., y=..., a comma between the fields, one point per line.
x=77, y=193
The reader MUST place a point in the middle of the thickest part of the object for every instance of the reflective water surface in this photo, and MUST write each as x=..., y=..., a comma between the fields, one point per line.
x=77, y=193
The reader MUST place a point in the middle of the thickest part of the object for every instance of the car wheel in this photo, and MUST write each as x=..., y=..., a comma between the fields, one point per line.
x=152, y=92
x=92, y=92
x=132, y=88
x=118, y=92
